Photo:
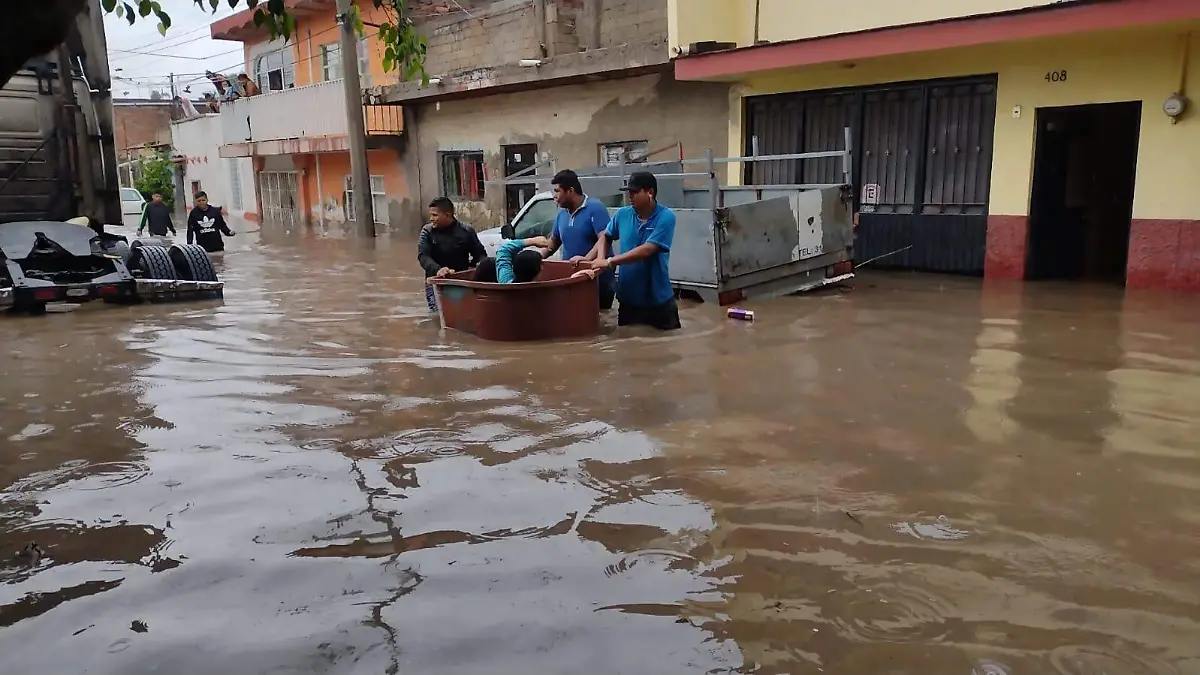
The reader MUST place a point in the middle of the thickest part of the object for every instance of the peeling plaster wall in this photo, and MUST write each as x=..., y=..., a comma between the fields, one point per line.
x=569, y=122
x=403, y=216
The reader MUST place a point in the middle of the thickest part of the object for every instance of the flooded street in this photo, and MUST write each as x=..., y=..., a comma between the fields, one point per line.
x=916, y=476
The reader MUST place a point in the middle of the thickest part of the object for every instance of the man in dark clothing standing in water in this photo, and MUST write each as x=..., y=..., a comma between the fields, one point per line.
x=157, y=216
x=205, y=225
x=446, y=246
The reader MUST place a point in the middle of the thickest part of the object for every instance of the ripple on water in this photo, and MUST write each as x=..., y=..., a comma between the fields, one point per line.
x=987, y=667
x=432, y=443
x=940, y=529
x=83, y=475
x=892, y=613
x=321, y=444
x=1083, y=660
x=31, y=431
x=628, y=562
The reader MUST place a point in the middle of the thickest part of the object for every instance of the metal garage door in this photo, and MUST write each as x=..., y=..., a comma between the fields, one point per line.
x=923, y=154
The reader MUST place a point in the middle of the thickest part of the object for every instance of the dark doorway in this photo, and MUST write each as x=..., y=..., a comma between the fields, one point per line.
x=516, y=159
x=1081, y=204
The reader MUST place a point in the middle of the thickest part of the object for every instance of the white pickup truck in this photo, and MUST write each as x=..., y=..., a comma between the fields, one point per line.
x=731, y=241
x=535, y=219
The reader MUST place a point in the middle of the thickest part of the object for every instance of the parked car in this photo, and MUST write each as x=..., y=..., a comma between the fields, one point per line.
x=132, y=206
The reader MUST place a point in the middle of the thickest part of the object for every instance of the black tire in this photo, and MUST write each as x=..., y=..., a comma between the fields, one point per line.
x=153, y=262
x=122, y=249
x=192, y=263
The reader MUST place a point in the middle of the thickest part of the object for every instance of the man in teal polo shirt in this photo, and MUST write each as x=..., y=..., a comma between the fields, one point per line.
x=645, y=230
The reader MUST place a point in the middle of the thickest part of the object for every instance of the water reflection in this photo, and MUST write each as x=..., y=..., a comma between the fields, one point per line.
x=914, y=476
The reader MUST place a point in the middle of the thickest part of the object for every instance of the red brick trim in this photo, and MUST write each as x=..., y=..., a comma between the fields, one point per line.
x=1007, y=247
x=250, y=216
x=1164, y=255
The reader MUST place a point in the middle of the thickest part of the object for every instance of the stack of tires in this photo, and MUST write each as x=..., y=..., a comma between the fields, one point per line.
x=183, y=262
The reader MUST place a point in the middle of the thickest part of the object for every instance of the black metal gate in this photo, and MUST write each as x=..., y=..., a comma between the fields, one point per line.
x=923, y=156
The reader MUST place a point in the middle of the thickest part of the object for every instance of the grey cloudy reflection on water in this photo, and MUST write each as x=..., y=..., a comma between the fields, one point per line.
x=919, y=475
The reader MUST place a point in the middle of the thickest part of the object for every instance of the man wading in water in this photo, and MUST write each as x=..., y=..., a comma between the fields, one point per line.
x=205, y=225
x=646, y=231
x=446, y=246
x=157, y=217
x=578, y=225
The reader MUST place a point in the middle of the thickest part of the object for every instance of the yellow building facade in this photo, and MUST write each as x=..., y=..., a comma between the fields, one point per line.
x=1017, y=139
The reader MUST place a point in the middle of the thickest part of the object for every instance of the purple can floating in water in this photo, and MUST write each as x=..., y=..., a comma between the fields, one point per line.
x=741, y=314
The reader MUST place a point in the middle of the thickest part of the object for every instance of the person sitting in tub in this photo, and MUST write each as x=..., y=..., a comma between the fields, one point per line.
x=518, y=261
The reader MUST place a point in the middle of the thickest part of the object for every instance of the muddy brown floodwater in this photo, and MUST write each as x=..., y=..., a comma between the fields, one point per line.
x=918, y=476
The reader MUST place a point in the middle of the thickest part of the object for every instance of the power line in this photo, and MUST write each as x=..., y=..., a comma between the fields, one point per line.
x=159, y=43
x=130, y=53
x=177, y=56
x=201, y=77
x=241, y=64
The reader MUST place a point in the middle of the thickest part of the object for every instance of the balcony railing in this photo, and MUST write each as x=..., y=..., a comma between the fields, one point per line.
x=311, y=111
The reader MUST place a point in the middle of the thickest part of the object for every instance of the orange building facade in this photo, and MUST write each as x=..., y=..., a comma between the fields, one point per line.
x=295, y=129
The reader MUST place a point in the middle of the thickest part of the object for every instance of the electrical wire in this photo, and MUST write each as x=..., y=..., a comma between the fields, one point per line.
x=178, y=56
x=202, y=77
x=159, y=43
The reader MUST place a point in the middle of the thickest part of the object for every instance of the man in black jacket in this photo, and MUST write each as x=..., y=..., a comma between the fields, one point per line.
x=205, y=225
x=446, y=246
x=157, y=216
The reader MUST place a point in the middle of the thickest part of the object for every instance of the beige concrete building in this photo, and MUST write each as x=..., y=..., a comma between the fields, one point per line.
x=513, y=82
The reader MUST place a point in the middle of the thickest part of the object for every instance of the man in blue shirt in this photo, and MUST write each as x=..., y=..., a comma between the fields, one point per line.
x=646, y=230
x=578, y=226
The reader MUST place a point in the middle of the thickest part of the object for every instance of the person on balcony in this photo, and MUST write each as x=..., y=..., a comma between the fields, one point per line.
x=248, y=85
x=446, y=245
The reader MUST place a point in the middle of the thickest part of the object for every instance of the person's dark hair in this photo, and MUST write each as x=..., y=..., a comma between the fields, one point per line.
x=567, y=180
x=642, y=180
x=527, y=266
x=442, y=204
x=486, y=270
x=200, y=194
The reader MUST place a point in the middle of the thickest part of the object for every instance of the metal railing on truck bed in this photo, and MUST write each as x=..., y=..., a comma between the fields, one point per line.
x=737, y=241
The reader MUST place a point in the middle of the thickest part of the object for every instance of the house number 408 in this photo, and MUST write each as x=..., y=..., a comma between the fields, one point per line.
x=1056, y=76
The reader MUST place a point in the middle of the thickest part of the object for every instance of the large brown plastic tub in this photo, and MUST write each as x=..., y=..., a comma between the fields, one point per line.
x=553, y=307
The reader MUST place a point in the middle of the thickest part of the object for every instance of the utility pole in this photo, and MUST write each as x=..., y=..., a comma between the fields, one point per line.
x=360, y=173
x=173, y=94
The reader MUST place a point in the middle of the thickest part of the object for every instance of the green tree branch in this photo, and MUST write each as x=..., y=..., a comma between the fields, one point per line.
x=403, y=47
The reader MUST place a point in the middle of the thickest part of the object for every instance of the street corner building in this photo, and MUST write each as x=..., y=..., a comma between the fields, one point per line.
x=519, y=88
x=282, y=155
x=1014, y=139
x=514, y=87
